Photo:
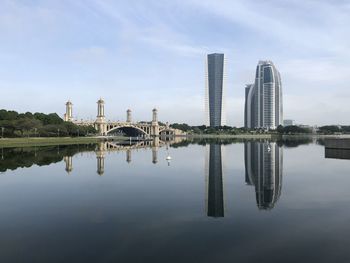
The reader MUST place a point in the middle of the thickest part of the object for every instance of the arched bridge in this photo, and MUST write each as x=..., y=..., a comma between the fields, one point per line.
x=129, y=128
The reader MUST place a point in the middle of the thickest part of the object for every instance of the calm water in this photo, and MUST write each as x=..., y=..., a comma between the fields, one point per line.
x=213, y=202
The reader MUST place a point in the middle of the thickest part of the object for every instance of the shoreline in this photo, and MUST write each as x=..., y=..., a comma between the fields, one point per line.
x=49, y=141
x=267, y=136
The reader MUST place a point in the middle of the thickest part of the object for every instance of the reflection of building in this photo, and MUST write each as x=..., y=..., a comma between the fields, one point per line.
x=214, y=182
x=337, y=153
x=69, y=163
x=263, y=99
x=263, y=169
x=215, y=82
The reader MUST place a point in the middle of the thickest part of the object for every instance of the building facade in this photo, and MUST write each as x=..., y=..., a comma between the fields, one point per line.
x=263, y=99
x=288, y=123
x=215, y=88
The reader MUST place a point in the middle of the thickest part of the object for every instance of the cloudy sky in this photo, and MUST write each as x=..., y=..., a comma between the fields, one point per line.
x=141, y=54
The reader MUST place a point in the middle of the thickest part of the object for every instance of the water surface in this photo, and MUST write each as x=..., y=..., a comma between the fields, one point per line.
x=214, y=201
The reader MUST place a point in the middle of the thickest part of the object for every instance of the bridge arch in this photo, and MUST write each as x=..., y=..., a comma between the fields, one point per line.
x=129, y=130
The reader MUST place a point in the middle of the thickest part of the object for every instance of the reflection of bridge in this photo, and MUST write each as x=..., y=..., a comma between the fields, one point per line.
x=129, y=128
x=106, y=147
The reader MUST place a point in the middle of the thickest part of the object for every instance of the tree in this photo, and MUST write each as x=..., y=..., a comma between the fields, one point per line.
x=280, y=129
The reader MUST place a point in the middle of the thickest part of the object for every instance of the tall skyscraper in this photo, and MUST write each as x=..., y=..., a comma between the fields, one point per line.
x=215, y=82
x=263, y=99
x=263, y=169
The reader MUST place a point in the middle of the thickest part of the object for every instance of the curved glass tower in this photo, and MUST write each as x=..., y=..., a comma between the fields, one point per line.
x=263, y=100
x=215, y=82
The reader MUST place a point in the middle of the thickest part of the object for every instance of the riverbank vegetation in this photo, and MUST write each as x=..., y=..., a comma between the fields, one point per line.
x=14, y=125
x=281, y=130
x=46, y=141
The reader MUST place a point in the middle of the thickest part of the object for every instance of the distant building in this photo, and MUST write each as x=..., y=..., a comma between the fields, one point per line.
x=215, y=82
x=263, y=99
x=288, y=123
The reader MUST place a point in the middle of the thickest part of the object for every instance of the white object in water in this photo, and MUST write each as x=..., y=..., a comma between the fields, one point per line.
x=168, y=158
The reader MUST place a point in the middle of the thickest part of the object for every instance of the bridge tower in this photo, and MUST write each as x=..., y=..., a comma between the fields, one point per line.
x=68, y=116
x=128, y=115
x=101, y=124
x=155, y=124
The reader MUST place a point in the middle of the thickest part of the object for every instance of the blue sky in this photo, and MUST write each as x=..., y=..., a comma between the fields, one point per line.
x=145, y=54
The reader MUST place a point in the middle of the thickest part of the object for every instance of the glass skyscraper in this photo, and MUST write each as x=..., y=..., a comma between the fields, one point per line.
x=263, y=99
x=215, y=82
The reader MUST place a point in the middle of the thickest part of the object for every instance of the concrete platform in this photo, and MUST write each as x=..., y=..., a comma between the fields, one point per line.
x=337, y=143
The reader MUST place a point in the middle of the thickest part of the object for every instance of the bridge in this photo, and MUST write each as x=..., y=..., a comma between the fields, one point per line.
x=128, y=127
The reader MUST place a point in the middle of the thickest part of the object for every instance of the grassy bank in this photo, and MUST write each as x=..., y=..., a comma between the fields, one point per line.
x=233, y=136
x=46, y=141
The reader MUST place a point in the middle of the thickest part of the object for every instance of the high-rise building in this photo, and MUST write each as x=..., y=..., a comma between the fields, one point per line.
x=215, y=82
x=263, y=169
x=263, y=99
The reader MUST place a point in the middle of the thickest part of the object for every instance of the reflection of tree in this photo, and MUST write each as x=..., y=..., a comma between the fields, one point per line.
x=281, y=141
x=294, y=142
x=14, y=158
x=205, y=141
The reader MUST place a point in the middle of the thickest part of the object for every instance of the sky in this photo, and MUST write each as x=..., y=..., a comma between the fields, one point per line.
x=142, y=54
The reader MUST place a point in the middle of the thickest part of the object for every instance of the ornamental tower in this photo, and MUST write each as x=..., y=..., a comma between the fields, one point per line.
x=68, y=116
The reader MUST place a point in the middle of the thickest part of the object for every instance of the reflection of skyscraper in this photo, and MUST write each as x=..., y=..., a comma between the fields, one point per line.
x=214, y=182
x=215, y=90
x=263, y=100
x=263, y=169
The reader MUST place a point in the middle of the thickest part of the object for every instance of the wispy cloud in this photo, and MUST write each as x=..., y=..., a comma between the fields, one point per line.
x=135, y=27
x=315, y=25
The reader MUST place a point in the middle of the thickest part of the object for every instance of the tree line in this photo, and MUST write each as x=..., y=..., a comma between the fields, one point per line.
x=293, y=129
x=14, y=124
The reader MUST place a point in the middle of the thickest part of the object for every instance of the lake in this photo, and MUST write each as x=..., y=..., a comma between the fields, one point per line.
x=185, y=201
